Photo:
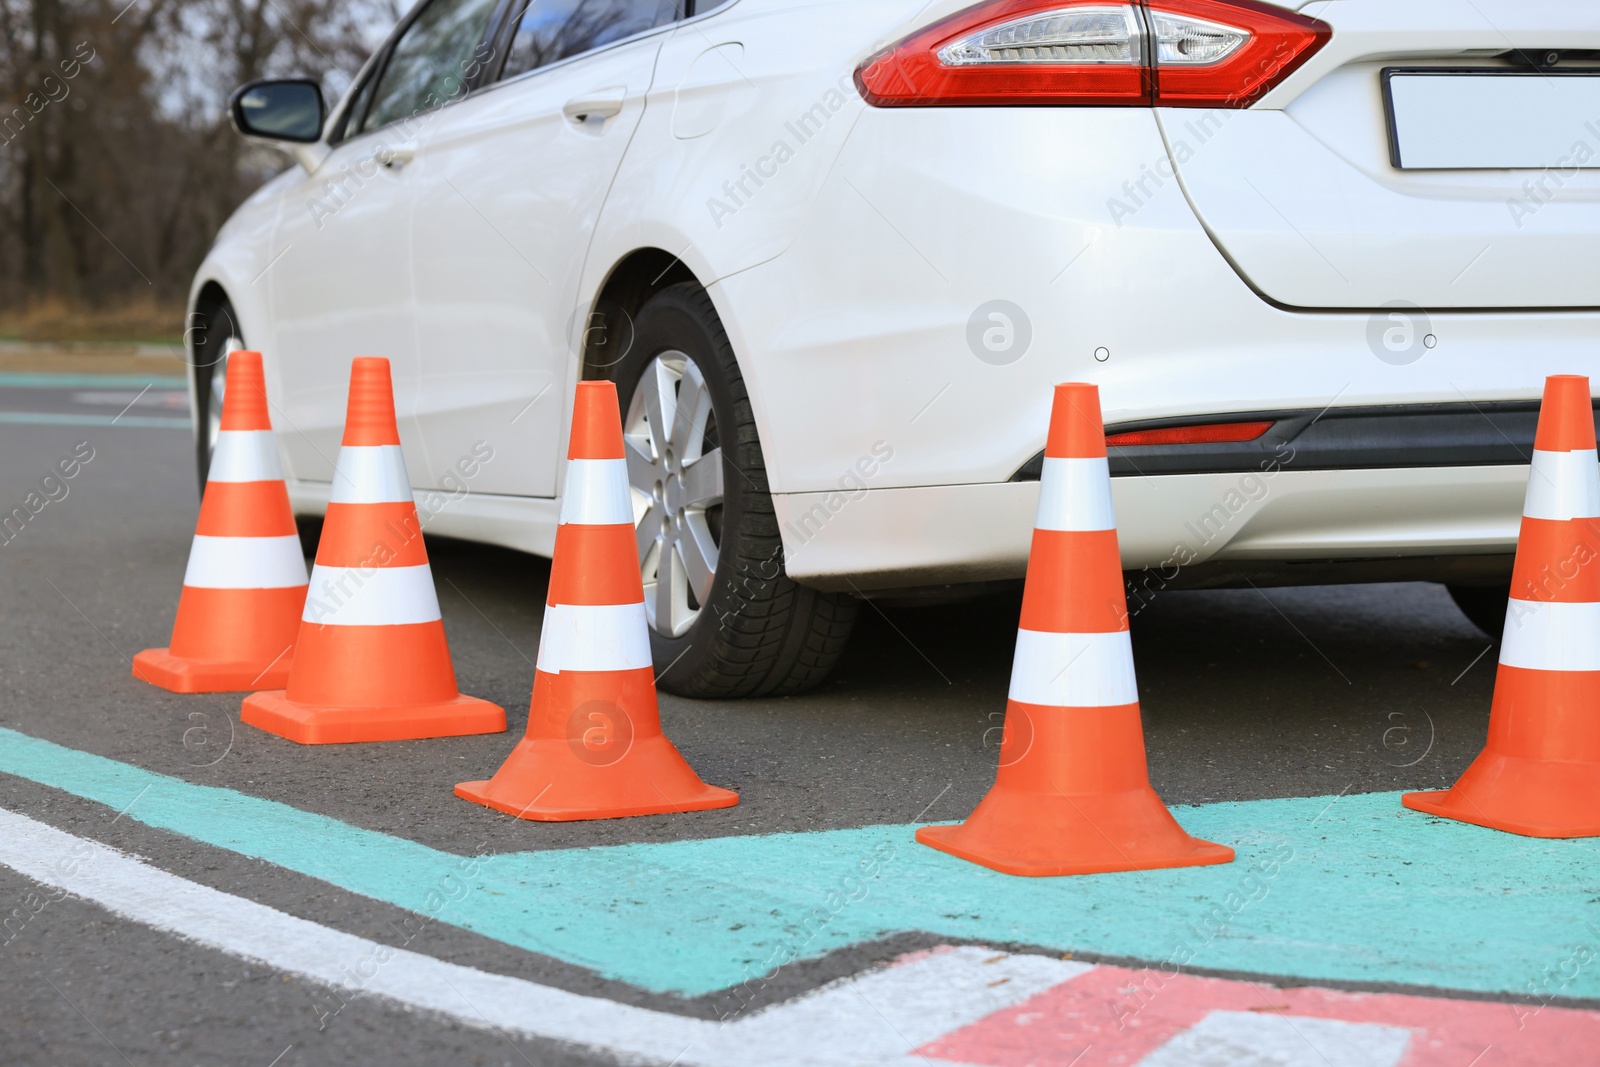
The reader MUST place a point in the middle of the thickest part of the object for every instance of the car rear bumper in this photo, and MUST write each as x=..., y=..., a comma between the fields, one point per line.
x=1273, y=523
x=1392, y=435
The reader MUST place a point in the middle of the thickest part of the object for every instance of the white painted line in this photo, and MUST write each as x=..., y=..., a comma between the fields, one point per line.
x=1074, y=670
x=594, y=637
x=245, y=563
x=245, y=456
x=596, y=493
x=240, y=927
x=879, y=1017
x=1231, y=1038
x=1563, y=485
x=371, y=474
x=883, y=1015
x=371, y=596
x=1075, y=494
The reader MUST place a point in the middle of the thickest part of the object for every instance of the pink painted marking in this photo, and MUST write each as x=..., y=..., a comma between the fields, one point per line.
x=1120, y=1016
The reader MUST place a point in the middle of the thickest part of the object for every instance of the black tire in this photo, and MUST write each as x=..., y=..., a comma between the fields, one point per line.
x=1483, y=605
x=212, y=323
x=309, y=527
x=758, y=633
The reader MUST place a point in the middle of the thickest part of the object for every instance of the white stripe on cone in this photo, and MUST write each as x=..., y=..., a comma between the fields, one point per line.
x=1074, y=670
x=1563, y=485
x=596, y=493
x=1075, y=494
x=371, y=596
x=245, y=456
x=371, y=474
x=245, y=563
x=1545, y=636
x=594, y=637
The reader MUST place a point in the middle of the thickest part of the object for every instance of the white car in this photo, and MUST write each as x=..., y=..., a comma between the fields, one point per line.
x=835, y=253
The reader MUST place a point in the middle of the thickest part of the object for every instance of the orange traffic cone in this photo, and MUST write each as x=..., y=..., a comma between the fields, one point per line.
x=594, y=747
x=1539, y=774
x=372, y=662
x=1072, y=795
x=246, y=580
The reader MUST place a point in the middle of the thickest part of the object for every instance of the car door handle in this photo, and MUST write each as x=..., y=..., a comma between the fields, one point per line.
x=601, y=104
x=396, y=158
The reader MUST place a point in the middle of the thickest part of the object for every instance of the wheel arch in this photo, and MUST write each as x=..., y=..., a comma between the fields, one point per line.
x=632, y=281
x=207, y=294
x=209, y=291
x=208, y=298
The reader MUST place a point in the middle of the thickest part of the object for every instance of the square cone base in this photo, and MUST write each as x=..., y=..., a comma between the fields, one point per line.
x=161, y=668
x=552, y=780
x=1045, y=835
x=1485, y=811
x=312, y=724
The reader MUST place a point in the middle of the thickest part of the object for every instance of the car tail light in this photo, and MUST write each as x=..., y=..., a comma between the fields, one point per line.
x=1174, y=53
x=1214, y=433
x=1227, y=53
x=1016, y=52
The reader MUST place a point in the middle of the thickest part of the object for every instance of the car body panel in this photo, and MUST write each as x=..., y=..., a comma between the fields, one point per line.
x=1300, y=194
x=238, y=257
x=866, y=318
x=746, y=115
x=507, y=190
x=340, y=287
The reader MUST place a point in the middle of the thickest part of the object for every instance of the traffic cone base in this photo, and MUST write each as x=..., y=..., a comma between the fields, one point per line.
x=259, y=645
x=275, y=713
x=1539, y=774
x=1110, y=820
x=1044, y=835
x=598, y=760
x=652, y=779
x=1531, y=797
x=160, y=667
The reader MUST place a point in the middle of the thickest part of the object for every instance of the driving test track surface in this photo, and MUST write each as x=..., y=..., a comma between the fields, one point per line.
x=178, y=884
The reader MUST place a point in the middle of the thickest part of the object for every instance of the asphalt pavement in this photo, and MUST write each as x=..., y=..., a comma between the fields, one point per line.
x=1247, y=695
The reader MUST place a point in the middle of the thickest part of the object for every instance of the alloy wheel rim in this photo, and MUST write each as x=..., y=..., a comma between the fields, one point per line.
x=674, y=462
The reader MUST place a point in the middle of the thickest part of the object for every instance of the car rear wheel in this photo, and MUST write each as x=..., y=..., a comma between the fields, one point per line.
x=725, y=620
x=1483, y=605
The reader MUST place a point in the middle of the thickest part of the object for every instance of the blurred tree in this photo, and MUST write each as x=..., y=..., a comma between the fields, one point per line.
x=117, y=162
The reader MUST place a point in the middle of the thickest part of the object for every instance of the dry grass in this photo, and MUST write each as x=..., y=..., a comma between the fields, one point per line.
x=56, y=321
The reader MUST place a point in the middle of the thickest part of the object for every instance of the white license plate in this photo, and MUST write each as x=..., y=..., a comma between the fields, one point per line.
x=1492, y=120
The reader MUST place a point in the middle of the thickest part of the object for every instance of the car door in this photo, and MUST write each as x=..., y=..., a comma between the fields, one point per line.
x=340, y=284
x=507, y=192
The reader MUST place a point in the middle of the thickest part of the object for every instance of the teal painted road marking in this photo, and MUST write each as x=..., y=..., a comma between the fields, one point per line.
x=92, y=381
x=1338, y=889
x=132, y=422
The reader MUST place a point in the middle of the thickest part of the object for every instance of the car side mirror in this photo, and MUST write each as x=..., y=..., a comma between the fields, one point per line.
x=279, y=110
x=289, y=111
